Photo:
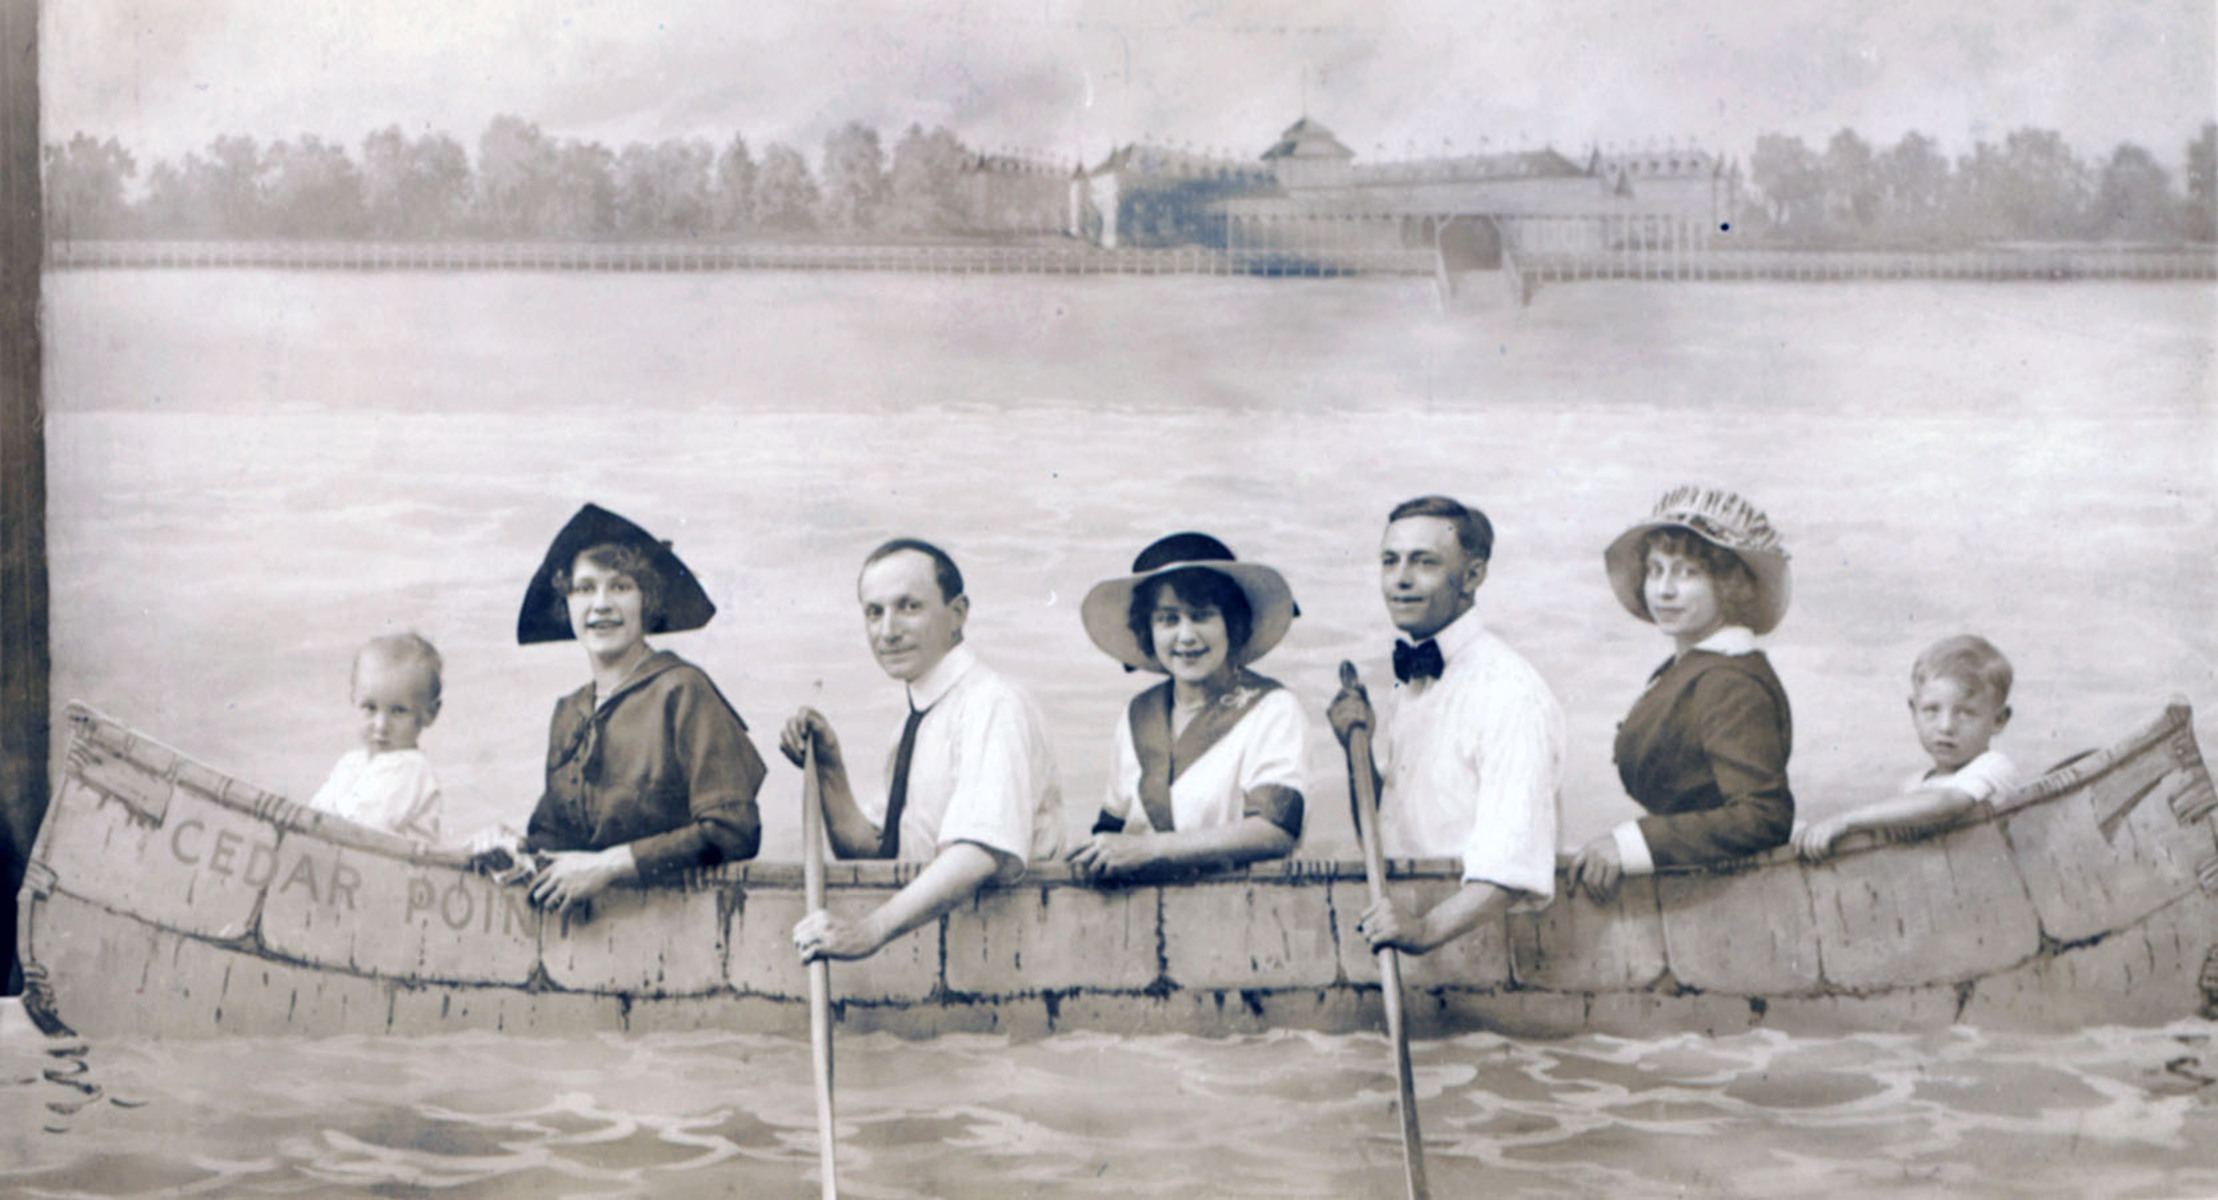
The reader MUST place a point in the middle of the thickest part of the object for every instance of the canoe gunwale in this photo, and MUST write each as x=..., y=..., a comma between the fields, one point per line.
x=2175, y=723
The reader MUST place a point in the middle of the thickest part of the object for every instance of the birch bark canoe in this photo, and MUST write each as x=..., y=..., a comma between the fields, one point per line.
x=166, y=899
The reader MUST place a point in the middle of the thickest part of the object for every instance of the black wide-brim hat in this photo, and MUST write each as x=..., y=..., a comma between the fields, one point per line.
x=1270, y=601
x=546, y=613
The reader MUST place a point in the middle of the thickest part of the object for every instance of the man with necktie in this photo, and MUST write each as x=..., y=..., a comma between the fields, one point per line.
x=971, y=786
x=1471, y=740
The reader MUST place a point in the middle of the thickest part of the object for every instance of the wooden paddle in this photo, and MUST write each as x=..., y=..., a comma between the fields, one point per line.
x=820, y=971
x=1390, y=961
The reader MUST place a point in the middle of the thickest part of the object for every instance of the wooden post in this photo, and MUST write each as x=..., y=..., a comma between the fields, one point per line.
x=25, y=664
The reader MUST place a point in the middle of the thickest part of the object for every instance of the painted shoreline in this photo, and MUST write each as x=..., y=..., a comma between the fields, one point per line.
x=166, y=899
x=1533, y=252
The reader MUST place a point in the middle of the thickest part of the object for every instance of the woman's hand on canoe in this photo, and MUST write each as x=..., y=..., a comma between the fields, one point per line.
x=804, y=723
x=822, y=935
x=1598, y=869
x=570, y=878
x=1108, y=855
x=499, y=852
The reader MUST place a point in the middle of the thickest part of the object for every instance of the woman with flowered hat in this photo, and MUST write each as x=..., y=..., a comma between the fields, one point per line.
x=1210, y=762
x=649, y=769
x=1705, y=747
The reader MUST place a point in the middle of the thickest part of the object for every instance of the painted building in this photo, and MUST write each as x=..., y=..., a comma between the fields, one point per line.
x=1307, y=194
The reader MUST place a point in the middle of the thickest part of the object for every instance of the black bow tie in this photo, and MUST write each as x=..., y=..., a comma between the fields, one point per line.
x=1421, y=661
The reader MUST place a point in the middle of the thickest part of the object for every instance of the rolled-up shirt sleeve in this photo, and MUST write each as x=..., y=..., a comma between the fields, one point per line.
x=1518, y=765
x=992, y=802
x=723, y=773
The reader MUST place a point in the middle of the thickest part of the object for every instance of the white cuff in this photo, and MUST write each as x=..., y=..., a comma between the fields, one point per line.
x=1632, y=850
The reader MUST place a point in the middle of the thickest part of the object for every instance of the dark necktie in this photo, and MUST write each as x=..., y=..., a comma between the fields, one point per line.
x=897, y=797
x=1421, y=661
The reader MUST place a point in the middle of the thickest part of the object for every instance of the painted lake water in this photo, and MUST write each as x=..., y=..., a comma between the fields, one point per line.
x=250, y=472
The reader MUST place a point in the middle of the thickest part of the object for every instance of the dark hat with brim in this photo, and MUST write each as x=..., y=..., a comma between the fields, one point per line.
x=1109, y=603
x=546, y=613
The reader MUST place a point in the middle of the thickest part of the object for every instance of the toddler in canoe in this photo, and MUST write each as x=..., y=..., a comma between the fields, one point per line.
x=387, y=783
x=1959, y=700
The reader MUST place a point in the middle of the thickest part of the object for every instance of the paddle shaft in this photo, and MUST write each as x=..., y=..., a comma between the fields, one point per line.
x=820, y=971
x=1390, y=961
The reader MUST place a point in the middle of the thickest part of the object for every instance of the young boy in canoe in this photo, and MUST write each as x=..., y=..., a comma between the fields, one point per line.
x=1959, y=700
x=387, y=783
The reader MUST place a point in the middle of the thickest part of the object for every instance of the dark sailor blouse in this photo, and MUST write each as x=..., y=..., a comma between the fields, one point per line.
x=1704, y=750
x=662, y=763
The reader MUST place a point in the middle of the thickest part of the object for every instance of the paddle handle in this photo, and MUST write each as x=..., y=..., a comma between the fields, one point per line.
x=1390, y=960
x=820, y=971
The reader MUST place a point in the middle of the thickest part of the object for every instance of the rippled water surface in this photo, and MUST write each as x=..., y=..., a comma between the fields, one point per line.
x=2105, y=1113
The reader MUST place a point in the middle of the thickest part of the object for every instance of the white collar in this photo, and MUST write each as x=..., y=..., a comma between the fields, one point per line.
x=1730, y=639
x=942, y=678
x=1459, y=634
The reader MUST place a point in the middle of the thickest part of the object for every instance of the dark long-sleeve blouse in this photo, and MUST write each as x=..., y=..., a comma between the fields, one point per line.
x=663, y=764
x=1704, y=750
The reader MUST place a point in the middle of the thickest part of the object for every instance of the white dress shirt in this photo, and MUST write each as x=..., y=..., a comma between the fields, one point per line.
x=1472, y=763
x=981, y=771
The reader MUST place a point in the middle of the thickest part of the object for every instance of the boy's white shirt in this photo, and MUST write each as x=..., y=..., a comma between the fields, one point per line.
x=1991, y=776
x=396, y=792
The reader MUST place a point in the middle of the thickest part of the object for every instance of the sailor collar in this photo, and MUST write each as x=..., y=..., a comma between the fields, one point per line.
x=654, y=664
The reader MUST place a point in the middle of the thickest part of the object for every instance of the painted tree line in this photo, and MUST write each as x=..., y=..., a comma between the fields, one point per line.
x=2030, y=186
x=525, y=183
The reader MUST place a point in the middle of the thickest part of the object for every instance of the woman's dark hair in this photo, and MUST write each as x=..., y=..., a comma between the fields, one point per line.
x=624, y=560
x=1730, y=577
x=1197, y=587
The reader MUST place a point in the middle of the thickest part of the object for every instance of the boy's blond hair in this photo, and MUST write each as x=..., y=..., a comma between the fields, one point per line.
x=403, y=649
x=1969, y=660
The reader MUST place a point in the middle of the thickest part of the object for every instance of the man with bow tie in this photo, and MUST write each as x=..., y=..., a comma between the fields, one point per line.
x=1471, y=740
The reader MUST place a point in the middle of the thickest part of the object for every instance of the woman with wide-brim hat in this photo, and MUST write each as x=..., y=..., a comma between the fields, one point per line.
x=1705, y=747
x=649, y=769
x=1210, y=763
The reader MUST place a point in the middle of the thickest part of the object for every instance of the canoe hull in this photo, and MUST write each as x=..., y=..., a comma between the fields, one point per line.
x=166, y=899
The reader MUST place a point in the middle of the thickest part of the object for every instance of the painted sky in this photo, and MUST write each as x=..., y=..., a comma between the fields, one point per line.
x=1068, y=77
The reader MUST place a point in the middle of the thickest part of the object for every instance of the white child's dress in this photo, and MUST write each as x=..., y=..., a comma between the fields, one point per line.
x=1989, y=777
x=395, y=791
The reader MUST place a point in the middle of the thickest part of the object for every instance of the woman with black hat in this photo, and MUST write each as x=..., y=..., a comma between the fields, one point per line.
x=1210, y=763
x=1705, y=748
x=649, y=769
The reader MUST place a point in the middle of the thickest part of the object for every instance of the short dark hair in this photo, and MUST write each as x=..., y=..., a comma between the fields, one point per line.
x=624, y=559
x=944, y=570
x=1199, y=587
x=1473, y=531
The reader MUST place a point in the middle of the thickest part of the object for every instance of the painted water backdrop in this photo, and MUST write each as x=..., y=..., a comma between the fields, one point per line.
x=250, y=472
x=2113, y=1113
